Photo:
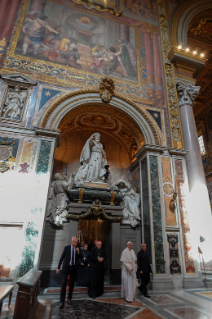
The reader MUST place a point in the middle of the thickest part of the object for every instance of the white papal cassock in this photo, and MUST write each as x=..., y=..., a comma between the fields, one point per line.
x=128, y=287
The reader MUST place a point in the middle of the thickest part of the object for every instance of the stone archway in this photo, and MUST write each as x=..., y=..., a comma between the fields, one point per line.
x=135, y=115
x=183, y=17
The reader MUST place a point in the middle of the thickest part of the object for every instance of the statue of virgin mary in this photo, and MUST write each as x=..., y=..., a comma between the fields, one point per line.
x=93, y=162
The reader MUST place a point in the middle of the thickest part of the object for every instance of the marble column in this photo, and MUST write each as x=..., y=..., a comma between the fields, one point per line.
x=199, y=206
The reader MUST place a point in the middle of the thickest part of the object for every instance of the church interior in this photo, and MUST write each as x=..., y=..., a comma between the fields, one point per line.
x=106, y=134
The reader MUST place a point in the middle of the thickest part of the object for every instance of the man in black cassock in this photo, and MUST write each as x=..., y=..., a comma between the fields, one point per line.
x=144, y=269
x=98, y=257
x=83, y=276
x=69, y=258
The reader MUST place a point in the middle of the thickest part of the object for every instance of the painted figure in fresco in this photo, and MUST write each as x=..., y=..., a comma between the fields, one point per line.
x=124, y=57
x=93, y=162
x=34, y=31
x=14, y=103
x=69, y=53
x=57, y=203
x=131, y=201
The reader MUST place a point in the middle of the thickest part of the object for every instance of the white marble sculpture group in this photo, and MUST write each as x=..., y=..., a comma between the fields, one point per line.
x=93, y=169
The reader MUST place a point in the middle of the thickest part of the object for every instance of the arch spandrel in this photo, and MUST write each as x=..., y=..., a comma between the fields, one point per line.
x=138, y=122
x=183, y=18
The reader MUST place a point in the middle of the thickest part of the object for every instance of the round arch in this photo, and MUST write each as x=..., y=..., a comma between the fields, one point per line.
x=63, y=105
x=183, y=18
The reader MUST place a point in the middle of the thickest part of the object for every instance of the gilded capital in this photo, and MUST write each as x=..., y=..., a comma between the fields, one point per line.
x=186, y=93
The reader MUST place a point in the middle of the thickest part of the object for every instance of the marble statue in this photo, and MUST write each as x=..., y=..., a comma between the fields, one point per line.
x=14, y=103
x=130, y=201
x=57, y=201
x=94, y=167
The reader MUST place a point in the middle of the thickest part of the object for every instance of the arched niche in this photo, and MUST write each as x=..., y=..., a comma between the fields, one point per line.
x=183, y=18
x=124, y=128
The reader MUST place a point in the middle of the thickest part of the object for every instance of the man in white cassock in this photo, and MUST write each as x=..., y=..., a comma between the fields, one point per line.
x=129, y=267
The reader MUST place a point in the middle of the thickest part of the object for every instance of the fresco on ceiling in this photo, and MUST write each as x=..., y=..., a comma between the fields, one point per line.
x=144, y=8
x=202, y=29
x=61, y=43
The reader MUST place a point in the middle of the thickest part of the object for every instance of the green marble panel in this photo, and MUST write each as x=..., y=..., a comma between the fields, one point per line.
x=43, y=160
x=145, y=204
x=156, y=216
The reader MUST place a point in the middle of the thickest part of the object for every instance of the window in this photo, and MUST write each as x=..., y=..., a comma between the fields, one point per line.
x=201, y=145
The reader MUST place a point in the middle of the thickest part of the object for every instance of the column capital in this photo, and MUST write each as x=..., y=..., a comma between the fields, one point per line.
x=186, y=93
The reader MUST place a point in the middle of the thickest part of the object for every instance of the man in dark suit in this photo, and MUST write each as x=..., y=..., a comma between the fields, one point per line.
x=69, y=258
x=144, y=269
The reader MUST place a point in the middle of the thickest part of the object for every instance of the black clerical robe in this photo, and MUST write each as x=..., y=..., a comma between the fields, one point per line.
x=96, y=287
x=83, y=276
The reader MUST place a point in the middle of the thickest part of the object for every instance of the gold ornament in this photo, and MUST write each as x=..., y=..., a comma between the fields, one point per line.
x=106, y=89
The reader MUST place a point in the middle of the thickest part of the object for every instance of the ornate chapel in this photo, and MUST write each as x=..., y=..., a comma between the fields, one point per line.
x=106, y=135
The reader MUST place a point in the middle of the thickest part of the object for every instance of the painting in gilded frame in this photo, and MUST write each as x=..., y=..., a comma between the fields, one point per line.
x=59, y=42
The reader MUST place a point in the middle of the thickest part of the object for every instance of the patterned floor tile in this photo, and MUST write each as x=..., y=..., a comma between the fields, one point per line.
x=163, y=300
x=89, y=309
x=188, y=313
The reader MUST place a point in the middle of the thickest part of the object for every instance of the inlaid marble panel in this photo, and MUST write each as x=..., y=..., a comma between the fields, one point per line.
x=87, y=309
x=187, y=248
x=156, y=216
x=145, y=203
x=188, y=313
x=168, y=191
x=174, y=254
x=164, y=300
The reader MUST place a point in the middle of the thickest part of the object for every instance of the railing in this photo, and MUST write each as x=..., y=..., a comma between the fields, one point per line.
x=27, y=294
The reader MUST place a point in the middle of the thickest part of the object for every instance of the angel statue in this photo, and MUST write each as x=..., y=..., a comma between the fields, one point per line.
x=94, y=167
x=57, y=200
x=130, y=201
x=14, y=103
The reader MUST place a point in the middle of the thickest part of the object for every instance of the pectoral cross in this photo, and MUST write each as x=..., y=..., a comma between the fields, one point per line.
x=84, y=258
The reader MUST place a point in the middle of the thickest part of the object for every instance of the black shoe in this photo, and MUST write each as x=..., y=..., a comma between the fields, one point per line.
x=147, y=296
x=61, y=305
x=94, y=297
x=69, y=302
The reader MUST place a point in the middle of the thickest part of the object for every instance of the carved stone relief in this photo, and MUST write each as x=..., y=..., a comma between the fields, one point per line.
x=14, y=98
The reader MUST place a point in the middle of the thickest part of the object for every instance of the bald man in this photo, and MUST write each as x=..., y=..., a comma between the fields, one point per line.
x=144, y=270
x=69, y=257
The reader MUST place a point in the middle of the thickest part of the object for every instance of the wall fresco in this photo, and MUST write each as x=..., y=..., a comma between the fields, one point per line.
x=189, y=261
x=61, y=43
x=144, y=8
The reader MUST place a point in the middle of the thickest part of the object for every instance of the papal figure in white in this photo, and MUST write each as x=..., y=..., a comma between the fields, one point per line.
x=93, y=162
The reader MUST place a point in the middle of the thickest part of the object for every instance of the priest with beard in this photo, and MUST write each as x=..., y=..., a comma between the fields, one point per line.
x=98, y=258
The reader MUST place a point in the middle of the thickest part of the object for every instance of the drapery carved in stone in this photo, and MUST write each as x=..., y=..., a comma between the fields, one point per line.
x=186, y=93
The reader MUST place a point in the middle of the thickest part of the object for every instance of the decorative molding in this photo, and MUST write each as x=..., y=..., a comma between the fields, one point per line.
x=18, y=78
x=174, y=115
x=84, y=94
x=113, y=7
x=106, y=89
x=49, y=133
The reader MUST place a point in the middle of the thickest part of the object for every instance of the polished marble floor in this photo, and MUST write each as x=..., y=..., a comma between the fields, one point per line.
x=179, y=303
